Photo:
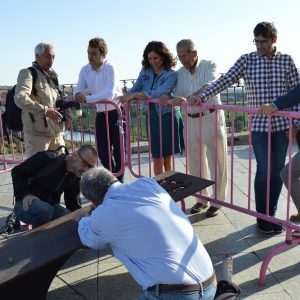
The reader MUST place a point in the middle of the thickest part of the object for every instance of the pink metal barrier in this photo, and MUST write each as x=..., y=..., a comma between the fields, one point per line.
x=9, y=156
x=12, y=148
x=231, y=200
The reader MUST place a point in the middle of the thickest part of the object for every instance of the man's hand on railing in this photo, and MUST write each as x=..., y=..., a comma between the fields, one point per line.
x=194, y=100
x=267, y=109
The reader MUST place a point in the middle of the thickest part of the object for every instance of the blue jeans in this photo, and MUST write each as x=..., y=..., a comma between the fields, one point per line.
x=39, y=212
x=208, y=294
x=279, y=144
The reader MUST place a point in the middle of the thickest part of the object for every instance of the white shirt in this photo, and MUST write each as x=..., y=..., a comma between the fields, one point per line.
x=103, y=84
x=188, y=83
x=148, y=233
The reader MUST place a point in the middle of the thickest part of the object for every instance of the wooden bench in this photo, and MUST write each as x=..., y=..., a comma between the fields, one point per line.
x=30, y=261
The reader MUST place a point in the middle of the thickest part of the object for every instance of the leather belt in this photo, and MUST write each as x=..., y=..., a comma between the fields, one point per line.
x=197, y=115
x=104, y=112
x=182, y=287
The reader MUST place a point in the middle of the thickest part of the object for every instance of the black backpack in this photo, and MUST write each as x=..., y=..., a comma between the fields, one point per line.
x=12, y=116
x=227, y=290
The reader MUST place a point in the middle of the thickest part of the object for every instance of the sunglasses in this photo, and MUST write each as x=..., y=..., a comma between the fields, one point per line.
x=85, y=162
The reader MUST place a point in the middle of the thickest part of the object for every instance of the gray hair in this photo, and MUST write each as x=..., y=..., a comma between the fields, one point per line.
x=95, y=183
x=187, y=43
x=41, y=48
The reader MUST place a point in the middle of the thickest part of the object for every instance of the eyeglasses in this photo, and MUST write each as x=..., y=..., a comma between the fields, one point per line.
x=85, y=162
x=261, y=42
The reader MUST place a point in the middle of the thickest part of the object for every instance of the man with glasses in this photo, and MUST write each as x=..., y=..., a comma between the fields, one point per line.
x=267, y=74
x=192, y=78
x=40, y=180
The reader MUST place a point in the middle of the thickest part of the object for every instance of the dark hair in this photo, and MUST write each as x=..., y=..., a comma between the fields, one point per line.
x=266, y=29
x=161, y=49
x=100, y=44
x=85, y=148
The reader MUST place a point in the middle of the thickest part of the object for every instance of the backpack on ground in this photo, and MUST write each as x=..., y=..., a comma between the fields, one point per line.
x=11, y=223
x=227, y=290
x=11, y=118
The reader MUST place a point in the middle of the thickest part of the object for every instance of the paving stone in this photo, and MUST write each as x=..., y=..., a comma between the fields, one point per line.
x=91, y=274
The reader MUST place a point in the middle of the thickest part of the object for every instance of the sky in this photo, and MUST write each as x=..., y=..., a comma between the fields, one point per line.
x=221, y=29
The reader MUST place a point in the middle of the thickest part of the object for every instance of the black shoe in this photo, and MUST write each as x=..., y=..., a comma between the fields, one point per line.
x=212, y=211
x=197, y=207
x=277, y=228
x=264, y=226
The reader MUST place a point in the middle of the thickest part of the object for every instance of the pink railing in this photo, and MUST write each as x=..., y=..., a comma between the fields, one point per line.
x=7, y=161
x=231, y=200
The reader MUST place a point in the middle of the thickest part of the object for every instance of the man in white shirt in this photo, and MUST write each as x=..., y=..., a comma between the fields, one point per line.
x=193, y=77
x=99, y=78
x=148, y=233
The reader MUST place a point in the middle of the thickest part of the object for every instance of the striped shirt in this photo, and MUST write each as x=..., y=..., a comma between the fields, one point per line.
x=188, y=83
x=265, y=79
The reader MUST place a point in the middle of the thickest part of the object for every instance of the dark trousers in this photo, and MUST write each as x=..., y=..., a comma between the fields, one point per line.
x=279, y=145
x=102, y=141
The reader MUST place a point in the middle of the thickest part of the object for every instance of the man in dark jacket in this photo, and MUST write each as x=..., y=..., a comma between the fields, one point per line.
x=40, y=181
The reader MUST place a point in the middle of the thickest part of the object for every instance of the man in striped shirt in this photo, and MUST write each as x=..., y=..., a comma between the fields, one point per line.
x=267, y=74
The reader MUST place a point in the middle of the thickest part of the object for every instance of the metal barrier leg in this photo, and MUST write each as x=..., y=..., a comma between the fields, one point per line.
x=182, y=204
x=280, y=248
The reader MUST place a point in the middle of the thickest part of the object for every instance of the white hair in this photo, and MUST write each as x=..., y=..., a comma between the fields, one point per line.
x=41, y=48
x=186, y=43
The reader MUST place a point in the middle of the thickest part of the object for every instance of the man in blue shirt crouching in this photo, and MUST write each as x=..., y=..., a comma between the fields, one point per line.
x=148, y=233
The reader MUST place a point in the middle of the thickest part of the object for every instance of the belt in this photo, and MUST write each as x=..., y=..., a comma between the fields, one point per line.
x=182, y=287
x=104, y=112
x=197, y=115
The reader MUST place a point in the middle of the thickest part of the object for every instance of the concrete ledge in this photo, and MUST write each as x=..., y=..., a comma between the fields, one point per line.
x=240, y=138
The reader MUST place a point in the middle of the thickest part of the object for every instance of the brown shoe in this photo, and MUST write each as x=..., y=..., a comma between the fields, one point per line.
x=197, y=207
x=295, y=217
x=212, y=211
